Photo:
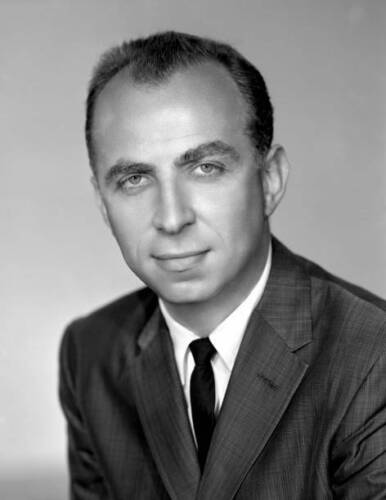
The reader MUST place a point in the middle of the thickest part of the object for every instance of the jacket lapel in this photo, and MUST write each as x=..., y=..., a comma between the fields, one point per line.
x=162, y=410
x=265, y=377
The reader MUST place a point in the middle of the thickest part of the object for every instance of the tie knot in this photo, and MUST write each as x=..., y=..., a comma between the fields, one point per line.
x=202, y=350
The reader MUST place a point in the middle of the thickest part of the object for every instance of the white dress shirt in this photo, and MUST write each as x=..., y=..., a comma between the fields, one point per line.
x=226, y=338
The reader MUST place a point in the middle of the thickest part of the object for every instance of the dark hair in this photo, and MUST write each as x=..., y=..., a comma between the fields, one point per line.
x=153, y=59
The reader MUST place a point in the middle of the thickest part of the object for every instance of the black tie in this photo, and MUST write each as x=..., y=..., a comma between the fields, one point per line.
x=202, y=395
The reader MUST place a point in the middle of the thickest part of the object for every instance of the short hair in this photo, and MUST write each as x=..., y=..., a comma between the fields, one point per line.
x=154, y=59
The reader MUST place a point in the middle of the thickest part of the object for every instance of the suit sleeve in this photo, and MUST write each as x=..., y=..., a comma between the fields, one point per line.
x=359, y=451
x=86, y=478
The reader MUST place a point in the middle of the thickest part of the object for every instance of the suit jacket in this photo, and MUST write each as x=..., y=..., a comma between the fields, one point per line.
x=304, y=416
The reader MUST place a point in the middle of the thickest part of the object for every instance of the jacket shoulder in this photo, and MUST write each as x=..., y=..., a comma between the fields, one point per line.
x=301, y=266
x=136, y=304
x=103, y=329
x=354, y=317
x=341, y=312
x=347, y=288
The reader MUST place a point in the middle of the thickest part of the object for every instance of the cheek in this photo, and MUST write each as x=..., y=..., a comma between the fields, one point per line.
x=128, y=228
x=236, y=215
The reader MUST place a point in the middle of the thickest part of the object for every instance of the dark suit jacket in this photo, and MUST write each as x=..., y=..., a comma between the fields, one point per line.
x=304, y=416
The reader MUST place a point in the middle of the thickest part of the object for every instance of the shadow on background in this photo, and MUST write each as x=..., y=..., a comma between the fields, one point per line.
x=43, y=484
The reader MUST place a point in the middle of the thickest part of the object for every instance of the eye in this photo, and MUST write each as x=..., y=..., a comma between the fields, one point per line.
x=208, y=169
x=132, y=181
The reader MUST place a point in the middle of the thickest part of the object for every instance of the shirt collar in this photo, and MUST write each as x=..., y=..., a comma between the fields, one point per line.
x=227, y=336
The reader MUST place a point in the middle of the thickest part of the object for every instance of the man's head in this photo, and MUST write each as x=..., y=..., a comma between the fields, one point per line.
x=183, y=185
x=153, y=60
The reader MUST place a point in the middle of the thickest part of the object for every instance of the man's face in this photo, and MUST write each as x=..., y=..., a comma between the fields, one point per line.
x=180, y=184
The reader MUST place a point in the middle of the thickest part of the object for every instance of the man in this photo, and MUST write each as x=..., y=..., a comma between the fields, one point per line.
x=243, y=371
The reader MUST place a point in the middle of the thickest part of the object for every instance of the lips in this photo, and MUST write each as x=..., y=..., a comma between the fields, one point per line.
x=179, y=262
x=181, y=255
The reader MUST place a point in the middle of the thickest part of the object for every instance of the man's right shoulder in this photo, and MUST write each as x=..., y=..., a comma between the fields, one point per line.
x=119, y=320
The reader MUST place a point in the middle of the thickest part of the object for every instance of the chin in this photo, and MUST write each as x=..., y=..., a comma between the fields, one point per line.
x=182, y=293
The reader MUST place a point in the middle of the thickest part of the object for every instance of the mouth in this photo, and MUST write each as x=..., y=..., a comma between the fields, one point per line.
x=182, y=255
x=181, y=261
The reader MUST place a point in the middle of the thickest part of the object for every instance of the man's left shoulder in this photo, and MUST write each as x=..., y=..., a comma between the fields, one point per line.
x=352, y=316
x=346, y=290
x=341, y=313
x=347, y=331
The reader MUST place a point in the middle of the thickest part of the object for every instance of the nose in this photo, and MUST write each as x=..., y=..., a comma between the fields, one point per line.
x=173, y=211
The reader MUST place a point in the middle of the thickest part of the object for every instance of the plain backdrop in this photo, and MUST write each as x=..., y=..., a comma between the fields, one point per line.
x=324, y=62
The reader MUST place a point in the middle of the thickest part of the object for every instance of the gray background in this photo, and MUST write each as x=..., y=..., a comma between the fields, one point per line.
x=324, y=62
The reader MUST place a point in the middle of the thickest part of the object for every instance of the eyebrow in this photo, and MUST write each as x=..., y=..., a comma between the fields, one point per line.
x=193, y=155
x=213, y=148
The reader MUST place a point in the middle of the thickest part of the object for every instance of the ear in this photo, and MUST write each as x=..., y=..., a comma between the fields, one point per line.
x=274, y=176
x=99, y=200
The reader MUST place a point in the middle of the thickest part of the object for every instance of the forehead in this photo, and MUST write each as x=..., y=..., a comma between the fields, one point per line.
x=200, y=103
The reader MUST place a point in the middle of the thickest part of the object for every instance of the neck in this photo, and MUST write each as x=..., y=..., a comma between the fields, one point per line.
x=203, y=317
